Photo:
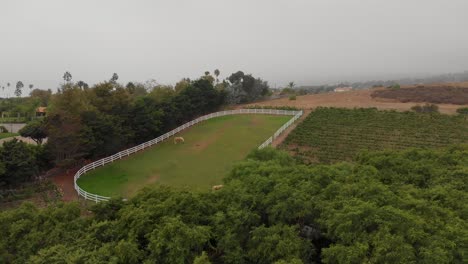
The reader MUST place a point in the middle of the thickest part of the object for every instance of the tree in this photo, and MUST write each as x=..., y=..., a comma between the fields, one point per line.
x=67, y=76
x=19, y=87
x=114, y=78
x=177, y=242
x=31, y=86
x=270, y=244
x=245, y=88
x=42, y=95
x=182, y=84
x=82, y=85
x=291, y=85
x=427, y=108
x=216, y=73
x=463, y=111
x=208, y=77
x=36, y=130
x=19, y=161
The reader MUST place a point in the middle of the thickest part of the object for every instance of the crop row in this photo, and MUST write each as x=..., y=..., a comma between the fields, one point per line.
x=333, y=134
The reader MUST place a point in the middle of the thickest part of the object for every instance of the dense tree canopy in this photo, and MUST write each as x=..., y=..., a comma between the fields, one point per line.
x=20, y=162
x=106, y=118
x=387, y=207
x=36, y=130
x=244, y=88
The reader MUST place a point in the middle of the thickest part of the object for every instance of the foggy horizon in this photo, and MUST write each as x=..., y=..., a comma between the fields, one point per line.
x=308, y=42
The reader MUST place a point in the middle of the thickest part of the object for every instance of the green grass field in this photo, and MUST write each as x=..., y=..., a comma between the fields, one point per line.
x=209, y=152
x=7, y=135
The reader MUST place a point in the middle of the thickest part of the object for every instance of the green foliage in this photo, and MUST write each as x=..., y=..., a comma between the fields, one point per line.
x=197, y=164
x=43, y=191
x=269, y=244
x=36, y=130
x=202, y=259
x=99, y=121
x=18, y=163
x=329, y=135
x=388, y=207
x=396, y=86
x=463, y=111
x=43, y=96
x=292, y=97
x=427, y=108
x=244, y=88
x=7, y=135
x=19, y=109
x=287, y=90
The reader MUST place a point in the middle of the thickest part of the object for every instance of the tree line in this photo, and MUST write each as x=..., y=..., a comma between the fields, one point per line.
x=386, y=207
x=86, y=123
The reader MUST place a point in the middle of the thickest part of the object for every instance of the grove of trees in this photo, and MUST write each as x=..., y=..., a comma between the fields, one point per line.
x=387, y=207
x=244, y=88
x=86, y=123
x=21, y=163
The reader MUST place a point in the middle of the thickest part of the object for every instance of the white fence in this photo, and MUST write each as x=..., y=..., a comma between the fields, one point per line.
x=128, y=152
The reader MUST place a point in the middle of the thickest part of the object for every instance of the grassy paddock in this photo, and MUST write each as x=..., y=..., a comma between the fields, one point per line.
x=7, y=135
x=209, y=151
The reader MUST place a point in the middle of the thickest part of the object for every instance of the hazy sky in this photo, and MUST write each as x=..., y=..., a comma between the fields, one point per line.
x=306, y=41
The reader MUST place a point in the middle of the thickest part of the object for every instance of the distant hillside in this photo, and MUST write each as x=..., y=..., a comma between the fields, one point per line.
x=442, y=78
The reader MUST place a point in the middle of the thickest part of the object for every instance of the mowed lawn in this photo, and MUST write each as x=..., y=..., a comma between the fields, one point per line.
x=7, y=135
x=209, y=152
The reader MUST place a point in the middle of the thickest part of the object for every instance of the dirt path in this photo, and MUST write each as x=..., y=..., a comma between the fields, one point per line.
x=285, y=133
x=65, y=182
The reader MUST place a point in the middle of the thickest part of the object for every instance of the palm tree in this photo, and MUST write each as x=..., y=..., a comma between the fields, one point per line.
x=31, y=86
x=19, y=86
x=8, y=85
x=114, y=78
x=67, y=76
x=216, y=73
x=291, y=85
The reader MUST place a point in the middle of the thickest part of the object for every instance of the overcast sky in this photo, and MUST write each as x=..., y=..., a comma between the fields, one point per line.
x=306, y=41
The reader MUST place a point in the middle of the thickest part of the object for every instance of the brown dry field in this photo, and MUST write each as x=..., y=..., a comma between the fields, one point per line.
x=442, y=94
x=358, y=98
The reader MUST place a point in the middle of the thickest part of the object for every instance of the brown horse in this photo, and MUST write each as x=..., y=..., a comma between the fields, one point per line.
x=179, y=139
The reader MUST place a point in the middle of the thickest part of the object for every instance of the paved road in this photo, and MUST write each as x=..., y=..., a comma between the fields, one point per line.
x=13, y=127
x=27, y=140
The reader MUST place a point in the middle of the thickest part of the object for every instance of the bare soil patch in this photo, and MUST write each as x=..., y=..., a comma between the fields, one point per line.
x=64, y=182
x=353, y=99
x=201, y=145
x=435, y=95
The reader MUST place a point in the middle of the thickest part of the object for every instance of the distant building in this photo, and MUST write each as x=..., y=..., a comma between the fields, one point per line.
x=41, y=111
x=343, y=89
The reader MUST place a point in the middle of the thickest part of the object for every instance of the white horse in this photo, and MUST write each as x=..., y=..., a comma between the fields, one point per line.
x=217, y=187
x=179, y=139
